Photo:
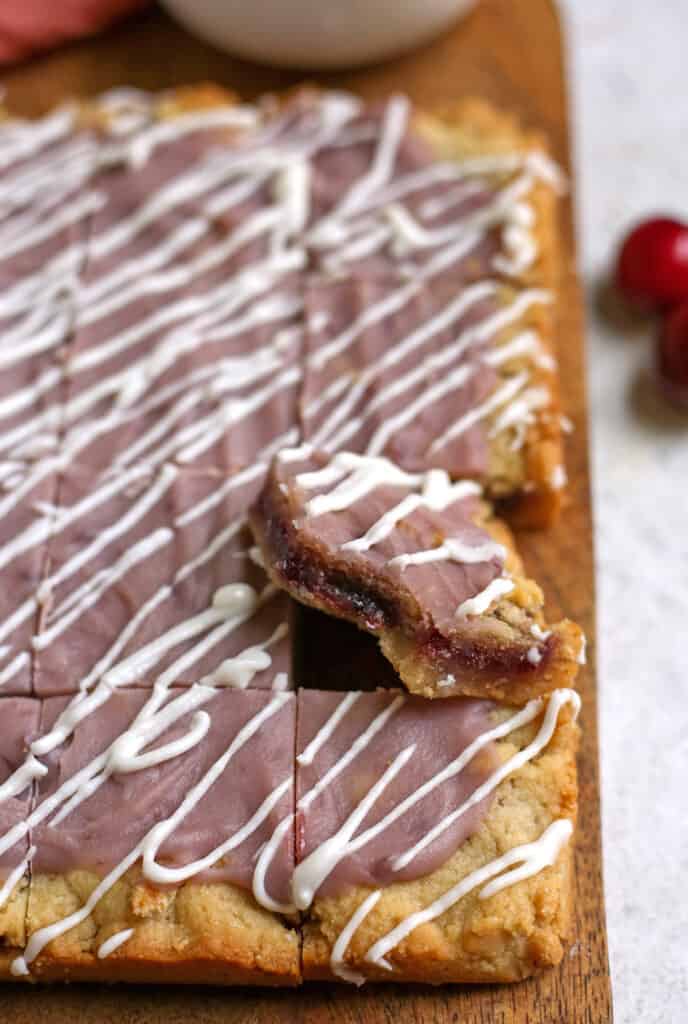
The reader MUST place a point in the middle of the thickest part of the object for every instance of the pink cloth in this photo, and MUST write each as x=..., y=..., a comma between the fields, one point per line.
x=30, y=25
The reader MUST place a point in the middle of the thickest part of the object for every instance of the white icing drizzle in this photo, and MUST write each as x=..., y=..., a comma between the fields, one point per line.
x=395, y=354
x=299, y=454
x=238, y=672
x=14, y=877
x=352, y=477
x=84, y=783
x=265, y=858
x=525, y=343
x=150, y=845
x=22, y=778
x=317, y=866
x=528, y=859
x=328, y=854
x=556, y=702
x=498, y=398
x=393, y=126
x=582, y=654
x=532, y=858
x=361, y=473
x=114, y=942
x=357, y=747
x=292, y=186
x=320, y=739
x=337, y=957
x=17, y=663
x=479, y=603
x=520, y=409
x=453, y=381
x=452, y=550
x=90, y=592
x=392, y=303
x=437, y=492
x=220, y=179
x=446, y=358
x=539, y=633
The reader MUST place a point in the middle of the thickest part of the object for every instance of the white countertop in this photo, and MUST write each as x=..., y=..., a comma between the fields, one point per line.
x=628, y=64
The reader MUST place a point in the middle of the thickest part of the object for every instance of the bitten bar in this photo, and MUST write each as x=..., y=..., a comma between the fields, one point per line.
x=421, y=564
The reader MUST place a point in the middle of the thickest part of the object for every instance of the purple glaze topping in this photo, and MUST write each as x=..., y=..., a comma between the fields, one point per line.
x=106, y=826
x=439, y=731
x=391, y=395
x=20, y=722
x=138, y=558
x=25, y=520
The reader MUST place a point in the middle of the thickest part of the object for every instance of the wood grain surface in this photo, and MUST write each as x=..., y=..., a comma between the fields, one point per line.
x=511, y=53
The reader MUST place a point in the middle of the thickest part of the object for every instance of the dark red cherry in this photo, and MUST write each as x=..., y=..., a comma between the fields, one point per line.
x=653, y=262
x=672, y=355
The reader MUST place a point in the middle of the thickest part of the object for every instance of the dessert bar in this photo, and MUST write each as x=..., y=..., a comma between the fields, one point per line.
x=433, y=841
x=419, y=562
x=147, y=825
x=153, y=574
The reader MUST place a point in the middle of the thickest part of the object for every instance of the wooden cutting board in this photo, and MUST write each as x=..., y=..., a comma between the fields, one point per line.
x=510, y=52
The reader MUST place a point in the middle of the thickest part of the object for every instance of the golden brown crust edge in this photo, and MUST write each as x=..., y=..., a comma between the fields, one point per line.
x=473, y=127
x=196, y=933
x=12, y=927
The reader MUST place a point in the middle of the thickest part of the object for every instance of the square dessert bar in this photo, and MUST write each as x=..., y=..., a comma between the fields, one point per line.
x=419, y=562
x=148, y=828
x=20, y=725
x=431, y=373
x=153, y=575
x=433, y=840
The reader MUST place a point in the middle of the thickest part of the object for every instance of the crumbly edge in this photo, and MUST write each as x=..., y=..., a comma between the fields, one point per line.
x=515, y=933
x=195, y=933
x=12, y=925
x=528, y=476
x=492, y=662
x=510, y=619
x=166, y=105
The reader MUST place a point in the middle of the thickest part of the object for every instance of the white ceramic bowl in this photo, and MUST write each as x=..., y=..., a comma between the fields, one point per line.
x=311, y=34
